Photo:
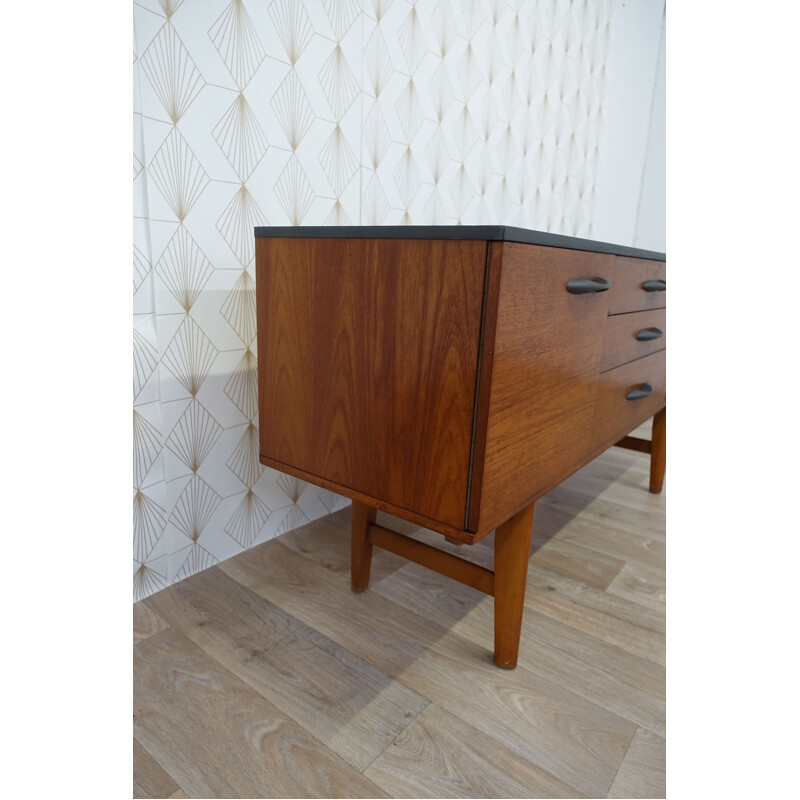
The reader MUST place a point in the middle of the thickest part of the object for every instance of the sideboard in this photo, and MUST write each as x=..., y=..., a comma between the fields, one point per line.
x=451, y=376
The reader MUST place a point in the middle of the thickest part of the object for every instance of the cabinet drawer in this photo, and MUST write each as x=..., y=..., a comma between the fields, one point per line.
x=632, y=336
x=614, y=412
x=636, y=285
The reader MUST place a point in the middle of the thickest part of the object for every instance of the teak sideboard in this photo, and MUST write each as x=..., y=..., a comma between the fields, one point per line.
x=451, y=376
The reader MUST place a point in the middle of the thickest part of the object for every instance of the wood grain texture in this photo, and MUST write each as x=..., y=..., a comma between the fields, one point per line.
x=434, y=558
x=218, y=738
x=571, y=558
x=605, y=544
x=631, y=687
x=609, y=492
x=588, y=676
x=145, y=622
x=343, y=701
x=547, y=350
x=575, y=740
x=149, y=778
x=305, y=588
x=440, y=755
x=602, y=550
x=590, y=611
x=632, y=443
x=367, y=356
x=643, y=770
x=362, y=497
x=512, y=542
x=449, y=382
x=574, y=593
x=620, y=344
x=641, y=585
x=627, y=275
x=482, y=553
x=658, y=459
x=324, y=541
x=614, y=414
x=360, y=546
x=494, y=263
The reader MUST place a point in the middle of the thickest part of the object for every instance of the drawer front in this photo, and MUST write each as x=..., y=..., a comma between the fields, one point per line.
x=614, y=412
x=632, y=336
x=636, y=285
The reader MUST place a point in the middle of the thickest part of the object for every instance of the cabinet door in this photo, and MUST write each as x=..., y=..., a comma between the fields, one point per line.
x=539, y=373
x=367, y=357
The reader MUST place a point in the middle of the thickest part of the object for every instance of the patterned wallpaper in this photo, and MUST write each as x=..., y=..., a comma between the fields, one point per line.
x=320, y=112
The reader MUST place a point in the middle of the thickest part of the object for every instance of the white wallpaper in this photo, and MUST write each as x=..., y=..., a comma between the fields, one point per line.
x=315, y=113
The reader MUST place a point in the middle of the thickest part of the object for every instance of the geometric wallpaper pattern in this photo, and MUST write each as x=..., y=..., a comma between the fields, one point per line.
x=320, y=112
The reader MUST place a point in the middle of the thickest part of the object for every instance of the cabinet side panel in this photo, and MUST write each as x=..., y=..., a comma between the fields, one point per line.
x=547, y=350
x=367, y=353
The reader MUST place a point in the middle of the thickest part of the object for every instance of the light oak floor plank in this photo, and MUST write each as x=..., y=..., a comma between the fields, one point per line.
x=267, y=676
x=552, y=593
x=643, y=770
x=149, y=778
x=575, y=740
x=328, y=542
x=586, y=612
x=322, y=597
x=573, y=560
x=642, y=585
x=600, y=511
x=216, y=737
x=346, y=703
x=629, y=488
x=440, y=755
x=547, y=585
x=145, y=622
x=618, y=475
x=625, y=684
x=618, y=544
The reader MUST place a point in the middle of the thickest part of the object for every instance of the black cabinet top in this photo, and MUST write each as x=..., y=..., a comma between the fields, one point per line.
x=491, y=233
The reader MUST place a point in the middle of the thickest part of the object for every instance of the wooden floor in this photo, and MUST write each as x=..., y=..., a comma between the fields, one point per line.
x=265, y=676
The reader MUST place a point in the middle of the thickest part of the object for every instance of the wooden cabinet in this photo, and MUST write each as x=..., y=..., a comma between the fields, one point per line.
x=452, y=376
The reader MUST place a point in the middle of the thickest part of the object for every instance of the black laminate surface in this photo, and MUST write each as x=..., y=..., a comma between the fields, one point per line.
x=492, y=233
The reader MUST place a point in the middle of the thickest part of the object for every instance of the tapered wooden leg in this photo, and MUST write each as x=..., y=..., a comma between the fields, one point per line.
x=658, y=454
x=360, y=549
x=512, y=542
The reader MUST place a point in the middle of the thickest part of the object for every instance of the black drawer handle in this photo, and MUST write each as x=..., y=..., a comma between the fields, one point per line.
x=587, y=285
x=654, y=286
x=648, y=334
x=645, y=390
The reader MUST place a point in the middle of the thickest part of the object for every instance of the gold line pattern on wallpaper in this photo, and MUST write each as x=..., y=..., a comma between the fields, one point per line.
x=320, y=112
